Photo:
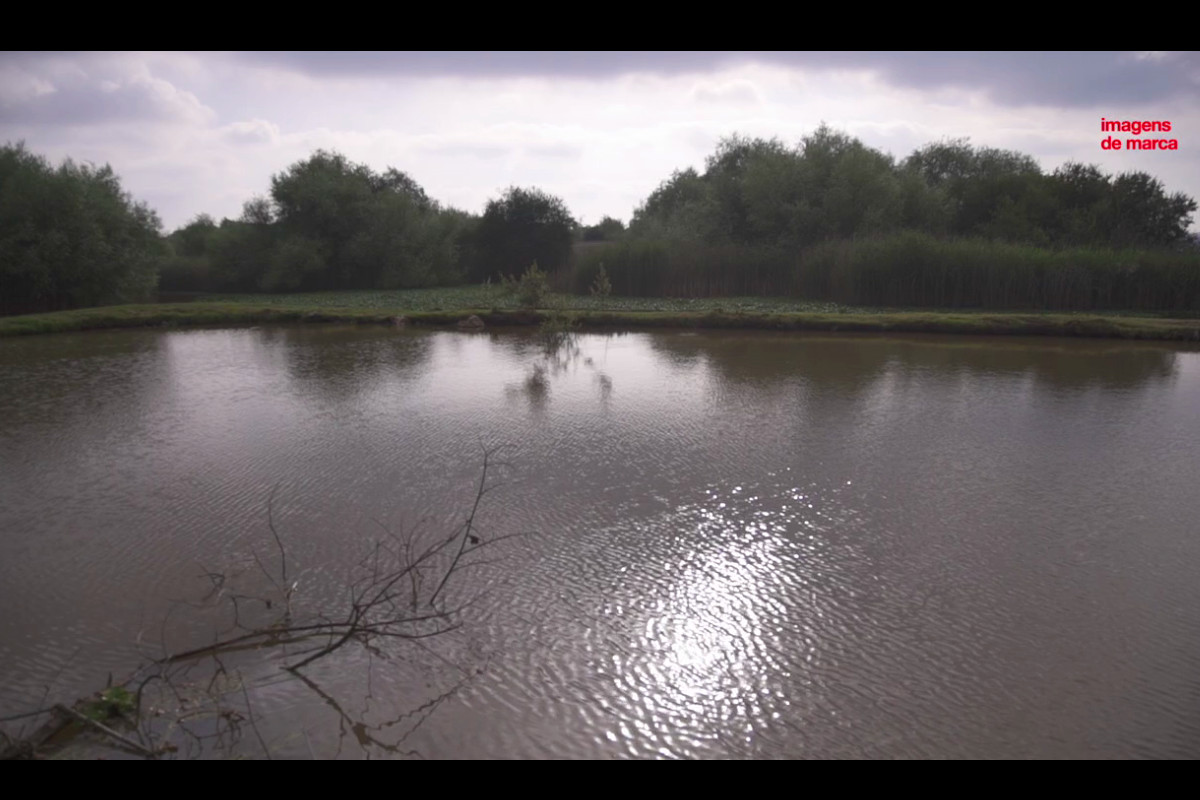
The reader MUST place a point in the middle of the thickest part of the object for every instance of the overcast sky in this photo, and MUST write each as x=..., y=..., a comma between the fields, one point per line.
x=203, y=132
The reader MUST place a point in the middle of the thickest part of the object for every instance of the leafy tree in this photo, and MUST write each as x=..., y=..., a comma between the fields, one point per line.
x=762, y=192
x=71, y=236
x=403, y=242
x=292, y=262
x=1142, y=214
x=333, y=224
x=240, y=254
x=989, y=192
x=325, y=198
x=682, y=207
x=773, y=194
x=393, y=181
x=862, y=194
x=726, y=175
x=607, y=230
x=188, y=266
x=1081, y=193
x=192, y=239
x=258, y=210
x=523, y=226
x=946, y=163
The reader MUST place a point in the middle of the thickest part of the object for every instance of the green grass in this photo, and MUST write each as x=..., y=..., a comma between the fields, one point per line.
x=487, y=297
x=448, y=306
x=475, y=298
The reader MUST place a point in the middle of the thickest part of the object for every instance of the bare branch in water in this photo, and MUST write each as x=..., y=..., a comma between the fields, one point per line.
x=388, y=600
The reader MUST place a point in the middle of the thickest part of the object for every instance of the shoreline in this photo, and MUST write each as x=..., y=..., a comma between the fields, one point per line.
x=208, y=314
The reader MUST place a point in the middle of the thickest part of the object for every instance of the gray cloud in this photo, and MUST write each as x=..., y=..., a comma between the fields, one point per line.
x=41, y=93
x=477, y=64
x=1043, y=78
x=197, y=132
x=1009, y=78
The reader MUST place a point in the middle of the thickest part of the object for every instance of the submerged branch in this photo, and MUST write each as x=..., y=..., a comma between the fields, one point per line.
x=136, y=747
x=386, y=601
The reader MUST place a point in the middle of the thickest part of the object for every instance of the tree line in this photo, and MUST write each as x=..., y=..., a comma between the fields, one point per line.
x=70, y=236
x=951, y=225
x=832, y=186
x=331, y=224
x=826, y=218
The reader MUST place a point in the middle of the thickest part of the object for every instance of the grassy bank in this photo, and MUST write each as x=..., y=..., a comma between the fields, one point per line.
x=446, y=307
x=495, y=297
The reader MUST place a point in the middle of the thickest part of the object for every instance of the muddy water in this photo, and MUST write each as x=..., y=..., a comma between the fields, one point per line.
x=746, y=545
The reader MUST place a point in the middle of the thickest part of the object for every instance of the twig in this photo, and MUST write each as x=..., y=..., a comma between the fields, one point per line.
x=389, y=600
x=253, y=724
x=34, y=713
x=467, y=529
x=275, y=534
x=107, y=731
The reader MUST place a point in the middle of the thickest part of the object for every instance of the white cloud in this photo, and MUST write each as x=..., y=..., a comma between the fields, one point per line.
x=253, y=131
x=194, y=133
x=736, y=93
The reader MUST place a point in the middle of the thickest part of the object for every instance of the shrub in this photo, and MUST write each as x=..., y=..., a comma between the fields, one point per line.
x=533, y=287
x=601, y=286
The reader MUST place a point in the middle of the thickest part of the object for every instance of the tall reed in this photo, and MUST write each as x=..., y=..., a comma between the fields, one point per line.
x=907, y=269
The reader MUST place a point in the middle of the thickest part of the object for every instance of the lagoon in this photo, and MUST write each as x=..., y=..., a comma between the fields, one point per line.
x=732, y=544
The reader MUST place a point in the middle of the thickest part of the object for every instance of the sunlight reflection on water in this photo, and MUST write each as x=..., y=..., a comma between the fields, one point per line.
x=734, y=545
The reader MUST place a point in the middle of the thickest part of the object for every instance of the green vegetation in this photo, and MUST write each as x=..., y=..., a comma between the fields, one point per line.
x=951, y=226
x=69, y=236
x=601, y=286
x=609, y=229
x=521, y=227
x=504, y=297
x=569, y=313
x=113, y=702
x=533, y=288
x=328, y=224
x=828, y=220
x=909, y=269
x=556, y=331
x=830, y=186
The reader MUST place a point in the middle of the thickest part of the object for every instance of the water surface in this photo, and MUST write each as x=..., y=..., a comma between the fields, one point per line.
x=733, y=544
